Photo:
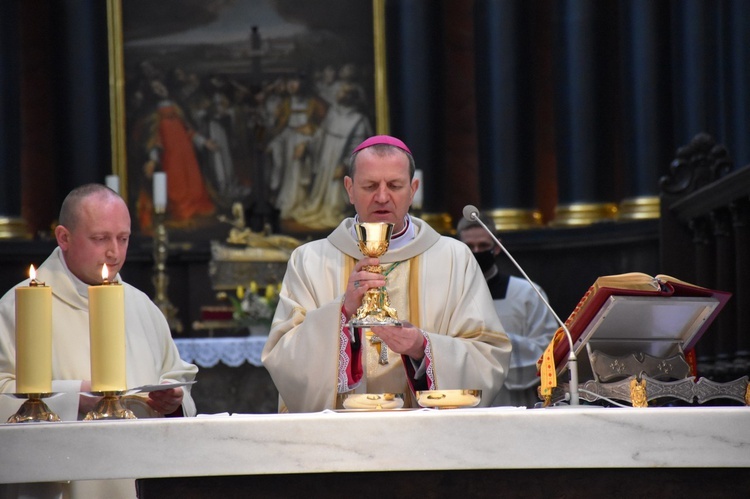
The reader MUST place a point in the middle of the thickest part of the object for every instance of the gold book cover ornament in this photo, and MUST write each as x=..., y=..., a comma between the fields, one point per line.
x=375, y=310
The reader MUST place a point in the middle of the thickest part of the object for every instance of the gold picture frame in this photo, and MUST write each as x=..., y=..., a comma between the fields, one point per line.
x=120, y=69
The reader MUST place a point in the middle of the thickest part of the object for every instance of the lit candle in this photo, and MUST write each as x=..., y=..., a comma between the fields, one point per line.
x=34, y=337
x=416, y=203
x=160, y=191
x=107, y=332
x=113, y=182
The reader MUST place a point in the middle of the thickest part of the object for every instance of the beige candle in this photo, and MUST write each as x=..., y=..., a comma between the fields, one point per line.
x=107, y=332
x=34, y=337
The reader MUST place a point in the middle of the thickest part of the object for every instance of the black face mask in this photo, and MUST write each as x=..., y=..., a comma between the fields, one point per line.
x=485, y=259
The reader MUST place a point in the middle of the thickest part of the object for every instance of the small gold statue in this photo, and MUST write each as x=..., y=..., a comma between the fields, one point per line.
x=638, y=394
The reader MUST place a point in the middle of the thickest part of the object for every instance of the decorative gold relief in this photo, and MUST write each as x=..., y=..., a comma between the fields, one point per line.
x=515, y=218
x=638, y=395
x=640, y=208
x=13, y=228
x=580, y=214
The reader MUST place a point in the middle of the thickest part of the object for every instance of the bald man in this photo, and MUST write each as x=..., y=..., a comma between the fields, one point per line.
x=94, y=230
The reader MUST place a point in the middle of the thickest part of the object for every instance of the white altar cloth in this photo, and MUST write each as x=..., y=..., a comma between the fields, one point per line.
x=232, y=351
x=492, y=438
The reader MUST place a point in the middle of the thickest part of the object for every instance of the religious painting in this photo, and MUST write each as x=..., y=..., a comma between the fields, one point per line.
x=250, y=108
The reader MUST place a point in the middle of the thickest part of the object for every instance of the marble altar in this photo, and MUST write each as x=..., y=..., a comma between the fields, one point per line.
x=331, y=442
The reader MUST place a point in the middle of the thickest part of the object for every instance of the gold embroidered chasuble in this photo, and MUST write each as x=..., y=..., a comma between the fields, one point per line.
x=437, y=286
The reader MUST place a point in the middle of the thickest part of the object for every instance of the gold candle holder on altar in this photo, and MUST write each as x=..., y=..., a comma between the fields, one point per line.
x=107, y=336
x=374, y=239
x=33, y=351
x=33, y=410
x=160, y=277
x=109, y=407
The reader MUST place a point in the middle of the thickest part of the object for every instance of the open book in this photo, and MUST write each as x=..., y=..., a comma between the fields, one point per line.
x=635, y=311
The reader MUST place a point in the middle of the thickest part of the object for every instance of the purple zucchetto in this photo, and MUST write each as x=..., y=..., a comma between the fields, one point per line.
x=382, y=139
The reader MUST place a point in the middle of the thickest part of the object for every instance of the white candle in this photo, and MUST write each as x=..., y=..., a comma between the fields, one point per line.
x=160, y=191
x=107, y=334
x=113, y=182
x=418, y=195
x=34, y=337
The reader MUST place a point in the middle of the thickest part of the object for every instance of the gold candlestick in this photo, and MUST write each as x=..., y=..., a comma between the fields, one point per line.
x=33, y=351
x=160, y=278
x=108, y=358
x=109, y=407
x=376, y=309
x=34, y=337
x=107, y=333
x=33, y=410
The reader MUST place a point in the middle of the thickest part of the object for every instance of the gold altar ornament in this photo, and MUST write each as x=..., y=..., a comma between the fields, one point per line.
x=373, y=240
x=638, y=394
x=33, y=351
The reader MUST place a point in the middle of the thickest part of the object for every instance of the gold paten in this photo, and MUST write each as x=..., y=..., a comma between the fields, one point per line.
x=372, y=401
x=449, y=399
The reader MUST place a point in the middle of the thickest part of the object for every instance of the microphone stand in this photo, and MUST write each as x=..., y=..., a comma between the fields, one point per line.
x=471, y=213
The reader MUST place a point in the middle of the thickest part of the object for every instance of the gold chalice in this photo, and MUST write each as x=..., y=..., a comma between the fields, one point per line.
x=375, y=310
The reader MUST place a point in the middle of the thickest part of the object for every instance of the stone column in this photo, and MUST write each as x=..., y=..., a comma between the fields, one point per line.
x=416, y=96
x=505, y=112
x=11, y=224
x=647, y=131
x=585, y=84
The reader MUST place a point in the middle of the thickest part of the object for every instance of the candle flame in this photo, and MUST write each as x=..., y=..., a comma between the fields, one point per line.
x=105, y=272
x=32, y=272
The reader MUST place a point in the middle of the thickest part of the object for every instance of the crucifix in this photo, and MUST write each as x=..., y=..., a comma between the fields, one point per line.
x=381, y=346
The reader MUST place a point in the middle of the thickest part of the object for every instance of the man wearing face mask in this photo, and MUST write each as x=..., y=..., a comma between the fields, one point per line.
x=526, y=320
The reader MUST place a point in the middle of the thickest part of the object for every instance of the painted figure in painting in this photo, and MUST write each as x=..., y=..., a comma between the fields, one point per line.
x=297, y=118
x=342, y=129
x=171, y=146
x=219, y=123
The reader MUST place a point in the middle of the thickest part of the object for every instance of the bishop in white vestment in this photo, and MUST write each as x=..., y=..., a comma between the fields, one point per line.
x=433, y=282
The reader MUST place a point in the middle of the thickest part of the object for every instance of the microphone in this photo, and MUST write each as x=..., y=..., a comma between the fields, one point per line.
x=471, y=213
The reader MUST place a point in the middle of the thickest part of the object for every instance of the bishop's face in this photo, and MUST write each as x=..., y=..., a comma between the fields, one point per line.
x=380, y=189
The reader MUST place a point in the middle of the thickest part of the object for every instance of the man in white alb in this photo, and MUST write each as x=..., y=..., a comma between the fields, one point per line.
x=526, y=320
